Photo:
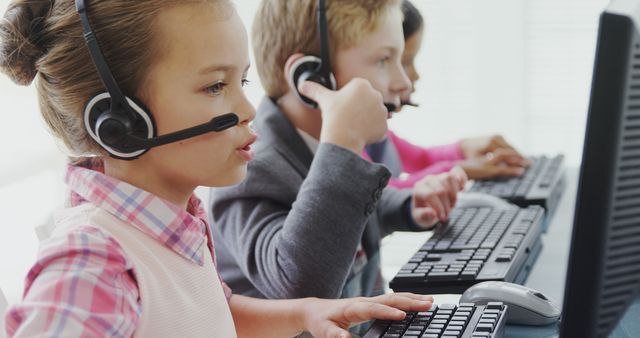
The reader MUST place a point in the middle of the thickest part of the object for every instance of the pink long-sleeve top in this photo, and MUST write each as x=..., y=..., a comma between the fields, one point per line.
x=418, y=162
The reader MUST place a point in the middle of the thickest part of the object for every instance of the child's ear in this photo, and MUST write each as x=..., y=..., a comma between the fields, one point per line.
x=287, y=69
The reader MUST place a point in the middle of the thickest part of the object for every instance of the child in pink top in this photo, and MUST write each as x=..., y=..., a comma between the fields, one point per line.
x=187, y=62
x=481, y=157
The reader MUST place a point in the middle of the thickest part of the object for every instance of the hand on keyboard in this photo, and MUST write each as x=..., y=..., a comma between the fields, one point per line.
x=478, y=147
x=446, y=321
x=331, y=318
x=501, y=163
x=434, y=196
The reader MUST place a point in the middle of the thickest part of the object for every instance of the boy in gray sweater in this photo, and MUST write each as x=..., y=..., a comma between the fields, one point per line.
x=308, y=219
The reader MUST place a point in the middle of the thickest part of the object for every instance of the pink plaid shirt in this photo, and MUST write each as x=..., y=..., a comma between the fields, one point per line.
x=83, y=284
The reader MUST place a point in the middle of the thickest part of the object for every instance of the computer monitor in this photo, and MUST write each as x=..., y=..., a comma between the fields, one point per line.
x=603, y=276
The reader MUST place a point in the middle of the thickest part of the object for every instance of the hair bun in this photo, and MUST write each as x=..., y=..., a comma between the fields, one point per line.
x=21, y=39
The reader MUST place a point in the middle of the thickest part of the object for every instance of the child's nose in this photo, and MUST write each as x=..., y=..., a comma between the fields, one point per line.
x=246, y=112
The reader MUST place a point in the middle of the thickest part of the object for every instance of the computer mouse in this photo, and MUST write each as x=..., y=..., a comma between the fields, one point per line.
x=526, y=306
x=480, y=200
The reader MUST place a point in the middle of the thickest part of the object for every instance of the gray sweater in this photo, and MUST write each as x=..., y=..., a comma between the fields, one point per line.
x=292, y=228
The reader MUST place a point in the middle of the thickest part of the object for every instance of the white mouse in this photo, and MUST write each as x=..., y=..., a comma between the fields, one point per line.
x=480, y=200
x=526, y=306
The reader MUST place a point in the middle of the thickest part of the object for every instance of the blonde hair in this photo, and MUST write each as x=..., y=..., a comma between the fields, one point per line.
x=282, y=28
x=43, y=39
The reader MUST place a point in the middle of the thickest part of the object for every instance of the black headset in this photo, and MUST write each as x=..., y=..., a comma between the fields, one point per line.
x=312, y=68
x=122, y=125
x=318, y=70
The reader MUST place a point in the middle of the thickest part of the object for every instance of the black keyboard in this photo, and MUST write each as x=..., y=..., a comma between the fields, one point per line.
x=446, y=321
x=476, y=245
x=541, y=184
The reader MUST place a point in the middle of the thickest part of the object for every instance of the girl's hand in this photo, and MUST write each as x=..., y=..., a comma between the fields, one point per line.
x=331, y=318
x=487, y=146
x=500, y=163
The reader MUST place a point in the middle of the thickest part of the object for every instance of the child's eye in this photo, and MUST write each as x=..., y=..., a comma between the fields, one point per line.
x=216, y=88
x=383, y=62
x=245, y=82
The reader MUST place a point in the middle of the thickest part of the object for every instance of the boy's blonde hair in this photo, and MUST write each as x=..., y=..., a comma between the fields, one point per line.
x=43, y=39
x=284, y=27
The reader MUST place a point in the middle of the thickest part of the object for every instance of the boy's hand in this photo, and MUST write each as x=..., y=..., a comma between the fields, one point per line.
x=331, y=318
x=434, y=196
x=352, y=116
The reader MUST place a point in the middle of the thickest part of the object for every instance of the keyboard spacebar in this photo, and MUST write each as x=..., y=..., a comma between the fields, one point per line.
x=440, y=276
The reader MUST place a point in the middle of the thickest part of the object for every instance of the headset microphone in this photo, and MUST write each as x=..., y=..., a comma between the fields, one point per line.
x=390, y=107
x=409, y=103
x=121, y=124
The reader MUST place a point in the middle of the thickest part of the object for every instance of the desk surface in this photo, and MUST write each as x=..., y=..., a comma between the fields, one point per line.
x=548, y=273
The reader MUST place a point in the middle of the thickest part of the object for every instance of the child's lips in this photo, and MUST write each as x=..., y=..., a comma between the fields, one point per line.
x=245, y=150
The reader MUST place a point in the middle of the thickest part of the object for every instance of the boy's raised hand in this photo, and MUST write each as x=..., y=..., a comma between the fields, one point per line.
x=435, y=195
x=331, y=318
x=352, y=116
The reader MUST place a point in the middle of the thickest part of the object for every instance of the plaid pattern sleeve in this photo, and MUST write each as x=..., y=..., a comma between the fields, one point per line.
x=80, y=286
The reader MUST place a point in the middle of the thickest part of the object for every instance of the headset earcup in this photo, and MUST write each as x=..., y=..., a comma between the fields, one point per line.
x=305, y=69
x=145, y=126
x=98, y=106
x=142, y=125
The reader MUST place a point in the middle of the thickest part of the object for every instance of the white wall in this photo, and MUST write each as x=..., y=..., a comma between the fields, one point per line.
x=517, y=67
x=520, y=68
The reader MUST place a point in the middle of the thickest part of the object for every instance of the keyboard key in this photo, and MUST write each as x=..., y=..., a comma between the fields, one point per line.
x=451, y=333
x=443, y=276
x=494, y=306
x=481, y=335
x=409, y=266
x=487, y=321
x=489, y=316
x=463, y=313
x=484, y=328
x=433, y=331
x=488, y=244
x=409, y=333
x=433, y=258
x=411, y=276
